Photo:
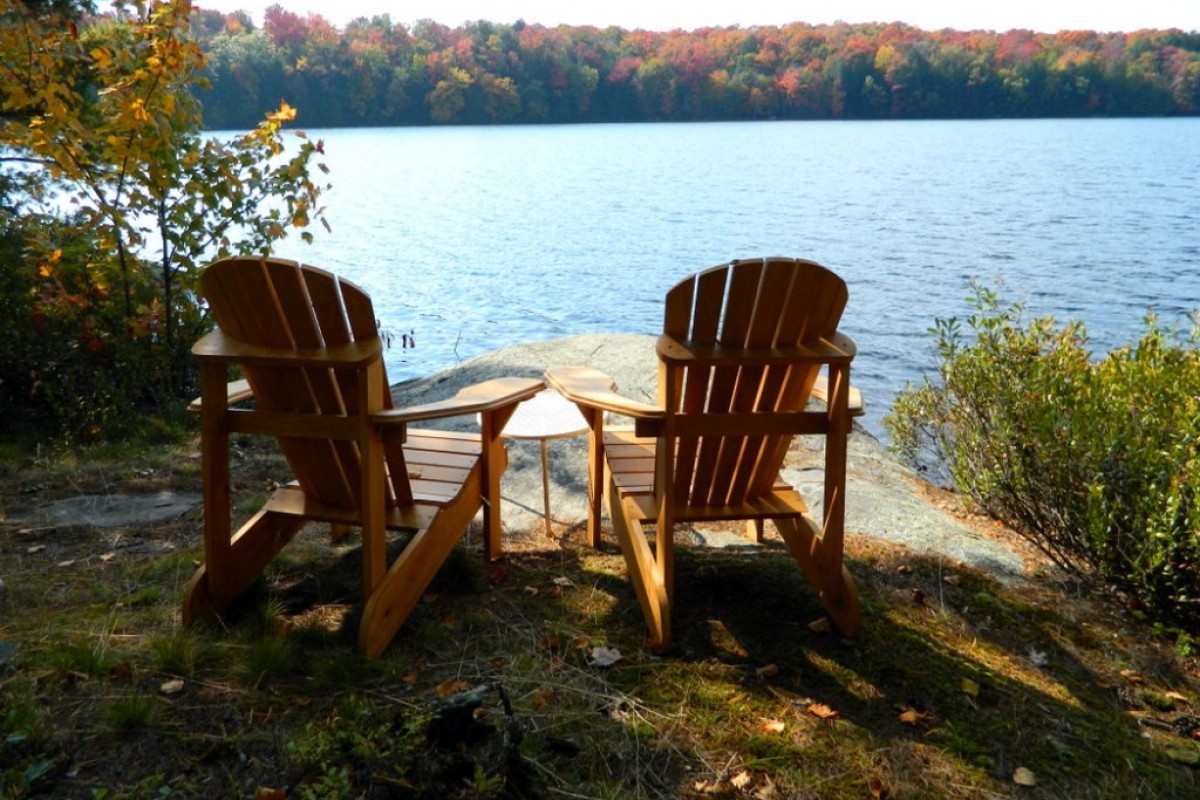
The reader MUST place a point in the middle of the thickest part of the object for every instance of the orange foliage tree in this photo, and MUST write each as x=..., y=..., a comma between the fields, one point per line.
x=121, y=203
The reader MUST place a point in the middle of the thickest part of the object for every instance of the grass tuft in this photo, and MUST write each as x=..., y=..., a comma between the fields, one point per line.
x=132, y=712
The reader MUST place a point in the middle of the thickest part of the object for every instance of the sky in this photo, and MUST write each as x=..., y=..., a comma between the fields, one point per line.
x=1047, y=16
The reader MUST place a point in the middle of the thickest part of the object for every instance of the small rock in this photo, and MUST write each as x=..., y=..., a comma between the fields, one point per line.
x=174, y=686
x=1024, y=777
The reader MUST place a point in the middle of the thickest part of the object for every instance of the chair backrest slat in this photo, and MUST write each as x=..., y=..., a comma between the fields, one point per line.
x=758, y=387
x=764, y=303
x=823, y=295
x=718, y=459
x=283, y=304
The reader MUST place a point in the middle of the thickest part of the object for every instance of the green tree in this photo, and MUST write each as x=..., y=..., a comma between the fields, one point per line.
x=105, y=115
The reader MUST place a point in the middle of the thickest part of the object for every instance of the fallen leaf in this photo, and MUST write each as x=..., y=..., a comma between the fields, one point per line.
x=37, y=548
x=877, y=789
x=741, y=780
x=552, y=643
x=1024, y=777
x=953, y=580
x=773, y=726
x=767, y=671
x=822, y=711
x=108, y=556
x=904, y=569
x=1131, y=675
x=267, y=793
x=564, y=582
x=1178, y=698
x=604, y=656
x=910, y=716
x=541, y=697
x=531, y=591
x=820, y=625
x=174, y=686
x=452, y=686
x=970, y=687
x=766, y=791
x=412, y=676
x=68, y=563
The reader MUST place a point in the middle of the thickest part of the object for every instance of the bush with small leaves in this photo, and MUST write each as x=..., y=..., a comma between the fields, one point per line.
x=1096, y=461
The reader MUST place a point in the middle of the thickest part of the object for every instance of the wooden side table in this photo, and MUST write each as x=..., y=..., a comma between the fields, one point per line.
x=545, y=416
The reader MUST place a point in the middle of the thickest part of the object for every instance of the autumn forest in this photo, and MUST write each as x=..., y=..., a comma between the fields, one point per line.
x=376, y=72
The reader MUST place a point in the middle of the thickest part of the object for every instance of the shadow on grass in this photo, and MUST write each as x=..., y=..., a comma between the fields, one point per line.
x=958, y=686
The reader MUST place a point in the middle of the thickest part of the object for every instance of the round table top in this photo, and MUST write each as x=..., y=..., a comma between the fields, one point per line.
x=546, y=415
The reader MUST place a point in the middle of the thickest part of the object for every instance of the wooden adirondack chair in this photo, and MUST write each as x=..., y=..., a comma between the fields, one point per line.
x=312, y=358
x=741, y=351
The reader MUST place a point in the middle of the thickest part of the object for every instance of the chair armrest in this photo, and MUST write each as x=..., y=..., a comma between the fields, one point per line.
x=478, y=398
x=235, y=391
x=592, y=388
x=820, y=391
x=216, y=346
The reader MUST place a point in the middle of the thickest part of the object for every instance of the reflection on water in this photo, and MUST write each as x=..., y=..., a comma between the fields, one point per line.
x=478, y=238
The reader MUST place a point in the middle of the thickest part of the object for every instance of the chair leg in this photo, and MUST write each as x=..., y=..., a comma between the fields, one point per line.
x=828, y=575
x=259, y=540
x=597, y=483
x=648, y=584
x=410, y=574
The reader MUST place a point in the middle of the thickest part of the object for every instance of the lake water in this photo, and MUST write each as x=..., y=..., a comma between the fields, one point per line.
x=479, y=238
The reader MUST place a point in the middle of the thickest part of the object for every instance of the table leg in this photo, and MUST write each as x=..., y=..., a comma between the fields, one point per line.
x=546, y=483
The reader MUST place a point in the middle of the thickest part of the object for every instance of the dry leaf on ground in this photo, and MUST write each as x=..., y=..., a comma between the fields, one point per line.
x=1131, y=675
x=911, y=716
x=768, y=671
x=604, y=656
x=823, y=712
x=174, y=686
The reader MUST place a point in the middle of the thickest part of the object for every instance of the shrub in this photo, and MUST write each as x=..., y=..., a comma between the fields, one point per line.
x=78, y=354
x=111, y=201
x=1096, y=462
